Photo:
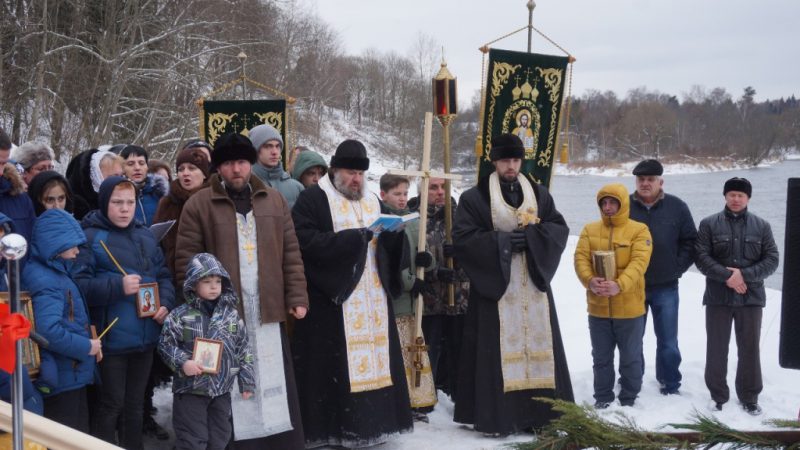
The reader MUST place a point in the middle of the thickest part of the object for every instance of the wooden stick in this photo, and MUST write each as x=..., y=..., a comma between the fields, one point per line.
x=108, y=328
x=114, y=260
x=423, y=215
x=419, y=339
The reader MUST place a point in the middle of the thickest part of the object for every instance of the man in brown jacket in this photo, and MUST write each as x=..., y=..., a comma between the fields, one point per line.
x=249, y=228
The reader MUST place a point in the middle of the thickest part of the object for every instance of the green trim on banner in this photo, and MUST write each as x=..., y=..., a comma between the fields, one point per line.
x=524, y=93
x=239, y=116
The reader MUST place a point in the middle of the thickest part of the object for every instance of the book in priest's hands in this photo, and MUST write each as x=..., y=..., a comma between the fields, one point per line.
x=391, y=222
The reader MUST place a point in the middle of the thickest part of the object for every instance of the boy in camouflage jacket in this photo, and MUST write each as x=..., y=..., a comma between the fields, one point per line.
x=201, y=414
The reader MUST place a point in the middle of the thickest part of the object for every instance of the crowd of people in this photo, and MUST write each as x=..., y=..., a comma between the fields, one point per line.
x=285, y=318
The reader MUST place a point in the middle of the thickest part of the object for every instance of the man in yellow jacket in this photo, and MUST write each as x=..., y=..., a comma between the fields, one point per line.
x=616, y=303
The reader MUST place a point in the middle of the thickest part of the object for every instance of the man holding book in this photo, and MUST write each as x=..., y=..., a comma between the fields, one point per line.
x=348, y=362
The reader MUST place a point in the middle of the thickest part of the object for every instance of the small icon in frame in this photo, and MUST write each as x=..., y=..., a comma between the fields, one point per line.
x=208, y=353
x=147, y=301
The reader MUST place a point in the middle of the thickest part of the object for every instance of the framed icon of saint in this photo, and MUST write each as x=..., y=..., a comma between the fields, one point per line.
x=147, y=301
x=208, y=354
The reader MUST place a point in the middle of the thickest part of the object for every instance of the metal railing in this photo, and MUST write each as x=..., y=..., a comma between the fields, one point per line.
x=51, y=434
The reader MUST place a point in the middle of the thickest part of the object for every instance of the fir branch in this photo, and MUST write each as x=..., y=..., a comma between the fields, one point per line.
x=713, y=432
x=783, y=423
x=579, y=426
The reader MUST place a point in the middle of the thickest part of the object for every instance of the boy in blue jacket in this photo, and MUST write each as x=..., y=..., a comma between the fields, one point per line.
x=68, y=362
x=110, y=281
x=201, y=407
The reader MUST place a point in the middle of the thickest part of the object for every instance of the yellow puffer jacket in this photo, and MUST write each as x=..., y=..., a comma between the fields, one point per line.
x=632, y=247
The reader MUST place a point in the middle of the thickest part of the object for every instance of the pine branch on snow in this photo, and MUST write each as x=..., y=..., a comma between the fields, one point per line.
x=580, y=426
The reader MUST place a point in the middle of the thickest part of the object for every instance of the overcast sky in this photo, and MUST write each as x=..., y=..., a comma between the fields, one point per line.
x=665, y=45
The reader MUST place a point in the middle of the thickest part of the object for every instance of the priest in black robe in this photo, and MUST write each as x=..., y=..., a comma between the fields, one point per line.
x=348, y=361
x=508, y=237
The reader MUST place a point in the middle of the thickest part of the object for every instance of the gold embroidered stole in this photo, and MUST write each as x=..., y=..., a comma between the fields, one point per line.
x=424, y=395
x=526, y=341
x=365, y=312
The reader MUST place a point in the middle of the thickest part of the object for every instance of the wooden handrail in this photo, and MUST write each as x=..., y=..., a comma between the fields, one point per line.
x=51, y=434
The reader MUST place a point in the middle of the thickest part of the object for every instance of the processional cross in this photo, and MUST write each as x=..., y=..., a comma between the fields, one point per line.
x=425, y=174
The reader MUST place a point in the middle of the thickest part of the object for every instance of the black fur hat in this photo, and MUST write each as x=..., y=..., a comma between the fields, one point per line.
x=232, y=147
x=350, y=154
x=739, y=185
x=506, y=146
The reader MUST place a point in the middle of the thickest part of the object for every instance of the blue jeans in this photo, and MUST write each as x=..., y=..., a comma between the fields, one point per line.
x=663, y=302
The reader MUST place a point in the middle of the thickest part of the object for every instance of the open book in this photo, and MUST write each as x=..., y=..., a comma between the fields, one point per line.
x=391, y=222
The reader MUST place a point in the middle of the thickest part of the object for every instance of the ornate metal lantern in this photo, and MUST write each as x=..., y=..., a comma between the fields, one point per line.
x=444, y=93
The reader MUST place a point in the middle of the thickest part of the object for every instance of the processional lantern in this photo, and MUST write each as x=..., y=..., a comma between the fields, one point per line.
x=444, y=93
x=445, y=107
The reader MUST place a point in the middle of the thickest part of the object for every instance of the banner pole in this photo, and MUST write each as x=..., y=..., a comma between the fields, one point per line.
x=531, y=4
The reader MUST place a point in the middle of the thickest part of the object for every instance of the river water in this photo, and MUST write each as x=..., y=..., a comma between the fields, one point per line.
x=575, y=197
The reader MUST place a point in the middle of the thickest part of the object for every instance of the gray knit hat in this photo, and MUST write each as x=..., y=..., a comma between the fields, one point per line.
x=31, y=153
x=262, y=134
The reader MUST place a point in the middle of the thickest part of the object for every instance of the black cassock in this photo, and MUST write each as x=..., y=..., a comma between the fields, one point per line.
x=334, y=262
x=485, y=255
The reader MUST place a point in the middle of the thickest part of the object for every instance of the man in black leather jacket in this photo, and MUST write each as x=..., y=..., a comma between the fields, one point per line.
x=736, y=252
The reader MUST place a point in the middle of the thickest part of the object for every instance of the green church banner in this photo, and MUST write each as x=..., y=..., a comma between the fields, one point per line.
x=239, y=116
x=523, y=96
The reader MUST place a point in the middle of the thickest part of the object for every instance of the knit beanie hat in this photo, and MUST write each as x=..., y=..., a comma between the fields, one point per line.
x=262, y=134
x=506, y=146
x=232, y=147
x=195, y=157
x=350, y=154
x=739, y=185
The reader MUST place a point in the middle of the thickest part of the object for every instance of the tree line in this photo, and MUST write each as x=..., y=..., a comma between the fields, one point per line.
x=703, y=124
x=89, y=72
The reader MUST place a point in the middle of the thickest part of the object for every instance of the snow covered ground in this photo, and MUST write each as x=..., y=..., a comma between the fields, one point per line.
x=780, y=398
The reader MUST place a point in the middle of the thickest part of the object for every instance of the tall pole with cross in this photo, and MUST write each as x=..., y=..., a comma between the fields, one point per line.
x=425, y=175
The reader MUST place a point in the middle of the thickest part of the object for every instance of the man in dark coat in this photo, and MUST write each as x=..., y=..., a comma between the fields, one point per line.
x=508, y=237
x=736, y=252
x=253, y=237
x=673, y=231
x=442, y=323
x=348, y=361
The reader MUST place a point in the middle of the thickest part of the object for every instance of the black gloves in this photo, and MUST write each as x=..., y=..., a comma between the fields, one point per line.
x=367, y=234
x=445, y=275
x=518, y=241
x=423, y=259
x=421, y=287
x=447, y=250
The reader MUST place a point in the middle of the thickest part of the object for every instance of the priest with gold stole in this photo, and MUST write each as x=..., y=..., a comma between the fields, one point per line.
x=248, y=227
x=508, y=237
x=347, y=355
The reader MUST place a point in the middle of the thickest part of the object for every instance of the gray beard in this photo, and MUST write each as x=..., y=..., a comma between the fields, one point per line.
x=347, y=192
